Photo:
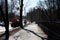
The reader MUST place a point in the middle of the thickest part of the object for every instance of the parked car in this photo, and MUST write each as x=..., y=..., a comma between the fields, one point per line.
x=2, y=23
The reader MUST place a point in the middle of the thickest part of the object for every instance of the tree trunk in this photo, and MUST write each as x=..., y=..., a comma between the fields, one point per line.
x=6, y=21
x=21, y=9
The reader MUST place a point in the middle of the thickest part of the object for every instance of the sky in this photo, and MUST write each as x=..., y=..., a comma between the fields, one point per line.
x=31, y=3
x=28, y=4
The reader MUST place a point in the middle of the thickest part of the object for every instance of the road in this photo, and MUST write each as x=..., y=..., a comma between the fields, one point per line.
x=26, y=35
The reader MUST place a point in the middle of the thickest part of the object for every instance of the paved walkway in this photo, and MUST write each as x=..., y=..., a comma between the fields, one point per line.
x=26, y=35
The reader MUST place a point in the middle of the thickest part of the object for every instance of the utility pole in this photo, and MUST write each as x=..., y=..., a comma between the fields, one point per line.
x=21, y=11
x=6, y=21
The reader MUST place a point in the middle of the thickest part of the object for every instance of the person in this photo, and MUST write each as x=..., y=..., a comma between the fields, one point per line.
x=25, y=22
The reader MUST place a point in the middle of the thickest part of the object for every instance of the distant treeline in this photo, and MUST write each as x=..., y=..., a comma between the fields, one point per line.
x=49, y=18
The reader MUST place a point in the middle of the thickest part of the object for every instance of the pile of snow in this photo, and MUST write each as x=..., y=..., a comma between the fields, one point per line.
x=2, y=29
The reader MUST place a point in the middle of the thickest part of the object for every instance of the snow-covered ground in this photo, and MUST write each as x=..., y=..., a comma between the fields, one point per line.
x=27, y=22
x=26, y=35
x=2, y=29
